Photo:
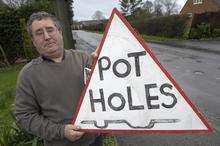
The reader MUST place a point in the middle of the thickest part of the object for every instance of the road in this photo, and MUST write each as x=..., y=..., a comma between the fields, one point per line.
x=198, y=73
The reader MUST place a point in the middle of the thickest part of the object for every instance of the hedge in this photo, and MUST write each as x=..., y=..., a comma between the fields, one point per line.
x=14, y=38
x=10, y=33
x=165, y=26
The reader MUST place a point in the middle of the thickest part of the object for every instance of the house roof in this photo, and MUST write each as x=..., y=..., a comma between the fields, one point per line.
x=208, y=6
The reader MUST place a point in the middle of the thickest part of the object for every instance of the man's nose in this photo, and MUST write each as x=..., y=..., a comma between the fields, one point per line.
x=46, y=35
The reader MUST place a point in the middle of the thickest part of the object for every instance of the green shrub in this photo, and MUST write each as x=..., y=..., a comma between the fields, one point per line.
x=13, y=135
x=109, y=141
x=194, y=34
x=10, y=33
x=13, y=36
x=202, y=30
x=186, y=33
x=216, y=32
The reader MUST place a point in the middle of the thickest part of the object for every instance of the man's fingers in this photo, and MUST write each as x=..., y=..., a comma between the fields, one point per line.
x=94, y=54
x=96, y=50
x=73, y=127
x=72, y=133
x=77, y=127
x=76, y=133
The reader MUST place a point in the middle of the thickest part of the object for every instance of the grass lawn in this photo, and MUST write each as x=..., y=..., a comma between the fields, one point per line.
x=156, y=38
x=8, y=78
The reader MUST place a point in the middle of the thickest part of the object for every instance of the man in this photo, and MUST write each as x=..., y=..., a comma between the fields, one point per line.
x=48, y=88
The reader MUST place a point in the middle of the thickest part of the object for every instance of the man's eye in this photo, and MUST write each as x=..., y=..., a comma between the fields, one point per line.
x=39, y=33
x=49, y=30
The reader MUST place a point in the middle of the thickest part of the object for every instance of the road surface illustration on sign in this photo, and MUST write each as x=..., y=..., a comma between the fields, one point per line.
x=128, y=90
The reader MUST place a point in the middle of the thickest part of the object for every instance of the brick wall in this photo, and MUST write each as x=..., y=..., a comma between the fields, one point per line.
x=206, y=6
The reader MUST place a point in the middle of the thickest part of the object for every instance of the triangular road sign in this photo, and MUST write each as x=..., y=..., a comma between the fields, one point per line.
x=130, y=91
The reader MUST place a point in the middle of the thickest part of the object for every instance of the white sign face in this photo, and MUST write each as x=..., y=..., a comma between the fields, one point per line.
x=129, y=90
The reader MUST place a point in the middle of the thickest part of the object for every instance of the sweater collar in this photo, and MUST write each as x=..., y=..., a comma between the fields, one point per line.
x=50, y=60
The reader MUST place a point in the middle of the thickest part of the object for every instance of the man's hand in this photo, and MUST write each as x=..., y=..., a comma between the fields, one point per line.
x=95, y=53
x=71, y=133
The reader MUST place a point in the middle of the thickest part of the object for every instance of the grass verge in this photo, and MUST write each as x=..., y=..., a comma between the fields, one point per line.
x=8, y=78
x=148, y=37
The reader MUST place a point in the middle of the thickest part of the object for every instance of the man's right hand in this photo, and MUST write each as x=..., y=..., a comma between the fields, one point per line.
x=71, y=133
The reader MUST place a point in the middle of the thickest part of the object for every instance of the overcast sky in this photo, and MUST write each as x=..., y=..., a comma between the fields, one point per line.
x=84, y=9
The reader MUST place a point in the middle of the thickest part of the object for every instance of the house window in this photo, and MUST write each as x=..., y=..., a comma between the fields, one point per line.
x=197, y=2
x=190, y=15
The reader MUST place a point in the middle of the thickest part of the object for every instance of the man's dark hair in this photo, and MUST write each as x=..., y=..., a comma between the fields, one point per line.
x=39, y=16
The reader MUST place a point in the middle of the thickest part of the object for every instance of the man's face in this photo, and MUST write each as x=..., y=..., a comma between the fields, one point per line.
x=47, y=38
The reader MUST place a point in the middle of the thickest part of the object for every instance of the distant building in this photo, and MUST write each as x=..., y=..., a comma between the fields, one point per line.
x=91, y=22
x=81, y=24
x=200, y=6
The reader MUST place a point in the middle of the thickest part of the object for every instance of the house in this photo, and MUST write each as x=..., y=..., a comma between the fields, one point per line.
x=91, y=22
x=200, y=6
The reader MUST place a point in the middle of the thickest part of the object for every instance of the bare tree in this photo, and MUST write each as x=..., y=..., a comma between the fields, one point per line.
x=170, y=6
x=15, y=3
x=124, y=6
x=158, y=8
x=148, y=6
x=98, y=15
x=130, y=6
x=135, y=5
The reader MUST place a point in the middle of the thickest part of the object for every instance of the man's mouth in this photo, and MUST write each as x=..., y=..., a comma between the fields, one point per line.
x=49, y=44
x=49, y=47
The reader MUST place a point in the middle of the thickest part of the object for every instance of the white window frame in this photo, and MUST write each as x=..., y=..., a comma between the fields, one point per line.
x=197, y=2
x=190, y=15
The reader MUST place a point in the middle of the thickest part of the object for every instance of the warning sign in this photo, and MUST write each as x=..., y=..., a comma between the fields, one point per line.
x=129, y=90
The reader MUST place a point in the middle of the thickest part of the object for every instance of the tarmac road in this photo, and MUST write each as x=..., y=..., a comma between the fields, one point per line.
x=197, y=72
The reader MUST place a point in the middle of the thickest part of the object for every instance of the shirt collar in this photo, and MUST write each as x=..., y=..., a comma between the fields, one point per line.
x=50, y=60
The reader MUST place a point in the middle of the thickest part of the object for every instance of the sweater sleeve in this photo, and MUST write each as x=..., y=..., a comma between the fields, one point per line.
x=28, y=114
